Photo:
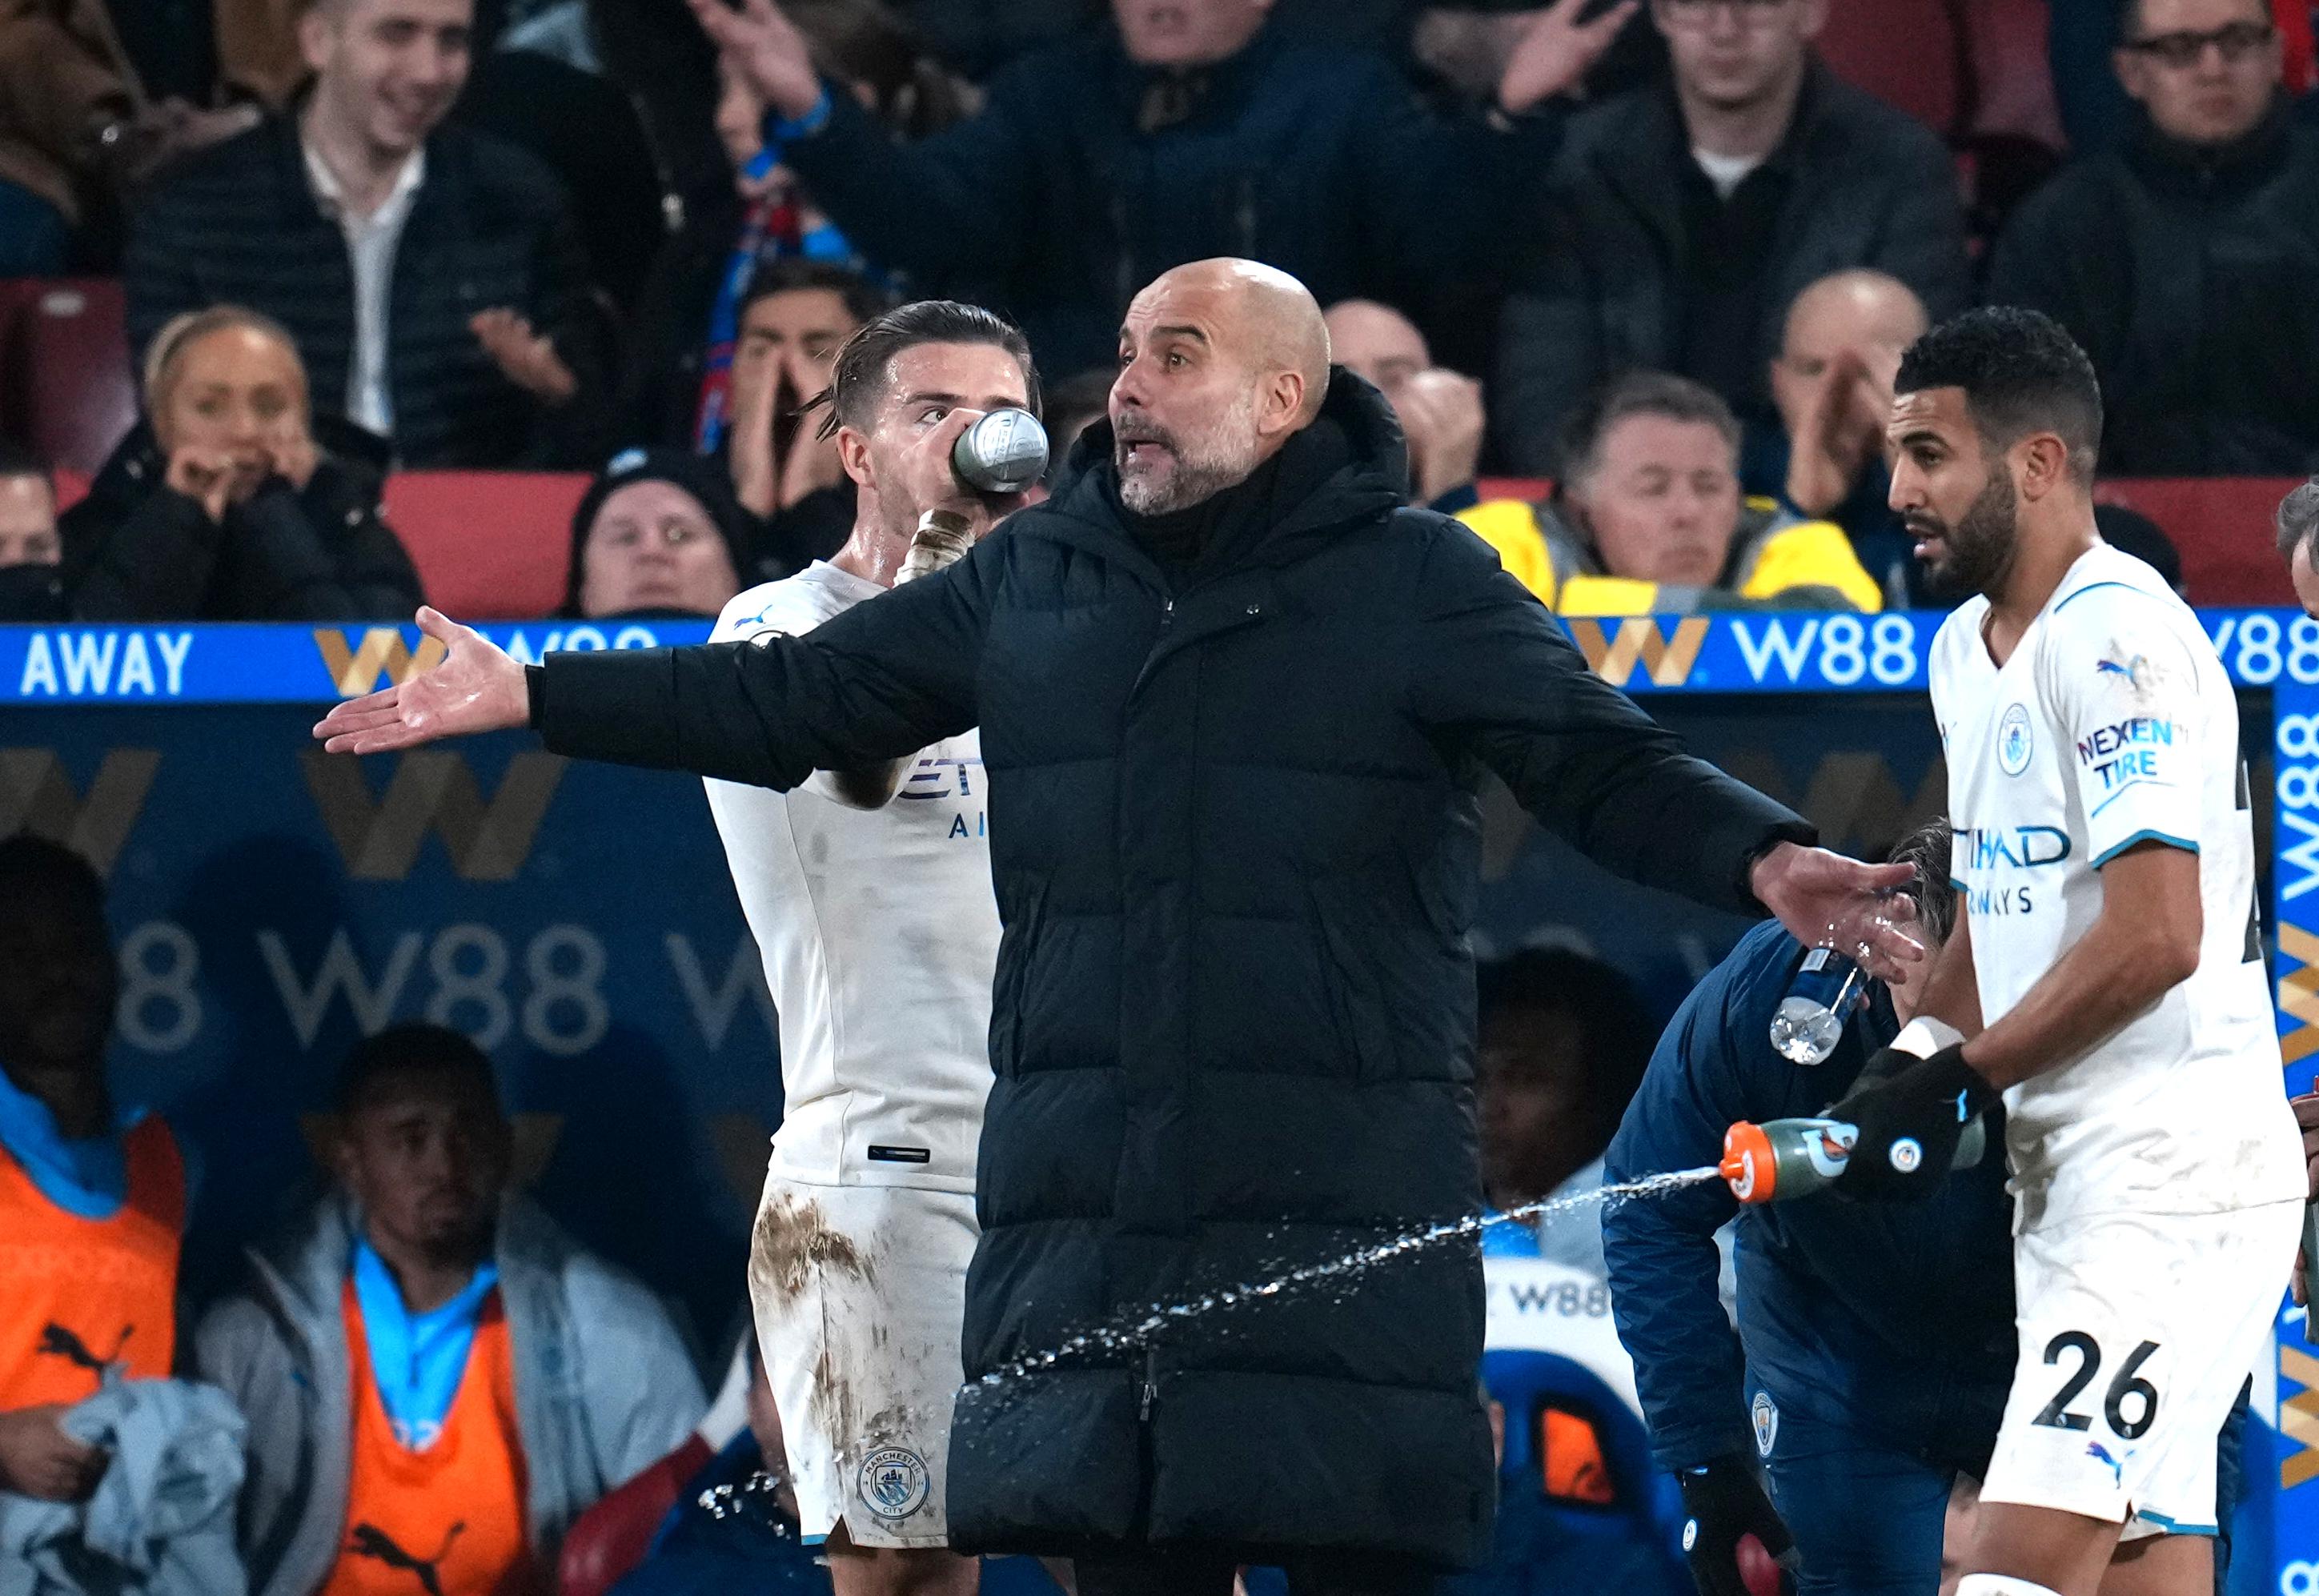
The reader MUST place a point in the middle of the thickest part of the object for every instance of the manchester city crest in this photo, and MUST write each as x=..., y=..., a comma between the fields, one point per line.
x=2012, y=740
x=1767, y=1422
x=894, y=1482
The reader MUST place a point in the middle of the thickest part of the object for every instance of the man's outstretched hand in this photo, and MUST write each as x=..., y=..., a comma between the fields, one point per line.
x=477, y=688
x=1829, y=901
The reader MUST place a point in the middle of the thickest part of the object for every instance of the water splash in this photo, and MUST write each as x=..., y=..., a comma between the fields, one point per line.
x=1137, y=1333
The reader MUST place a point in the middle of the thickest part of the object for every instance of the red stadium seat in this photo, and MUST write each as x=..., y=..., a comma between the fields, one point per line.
x=2223, y=528
x=489, y=544
x=611, y=1538
x=2012, y=83
x=65, y=384
x=1911, y=54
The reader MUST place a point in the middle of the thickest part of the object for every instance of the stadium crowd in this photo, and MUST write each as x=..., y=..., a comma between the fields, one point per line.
x=1659, y=257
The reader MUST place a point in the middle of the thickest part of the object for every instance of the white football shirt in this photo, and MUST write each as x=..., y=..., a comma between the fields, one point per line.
x=2114, y=723
x=878, y=933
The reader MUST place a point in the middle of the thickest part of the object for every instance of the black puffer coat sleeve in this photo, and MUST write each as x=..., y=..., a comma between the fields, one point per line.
x=155, y=563
x=885, y=679
x=326, y=553
x=1494, y=673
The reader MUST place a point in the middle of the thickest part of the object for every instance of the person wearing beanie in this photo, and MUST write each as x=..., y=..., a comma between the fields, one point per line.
x=658, y=533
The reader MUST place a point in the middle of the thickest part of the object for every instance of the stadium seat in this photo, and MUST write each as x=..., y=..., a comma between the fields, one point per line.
x=612, y=1536
x=489, y=546
x=2223, y=528
x=1576, y=1453
x=65, y=383
x=1927, y=78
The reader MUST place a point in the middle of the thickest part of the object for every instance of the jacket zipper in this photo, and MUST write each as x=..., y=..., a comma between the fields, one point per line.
x=1150, y=1389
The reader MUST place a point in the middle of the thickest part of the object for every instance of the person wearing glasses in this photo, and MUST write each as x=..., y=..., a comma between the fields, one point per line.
x=2182, y=261
x=1680, y=220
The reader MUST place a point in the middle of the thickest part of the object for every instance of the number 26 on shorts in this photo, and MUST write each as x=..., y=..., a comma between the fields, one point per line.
x=2126, y=1386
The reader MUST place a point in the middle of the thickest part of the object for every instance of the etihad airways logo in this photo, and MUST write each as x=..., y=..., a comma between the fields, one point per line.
x=432, y=789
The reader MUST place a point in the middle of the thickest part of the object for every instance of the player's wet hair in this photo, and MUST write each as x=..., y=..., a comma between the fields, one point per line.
x=1639, y=394
x=1928, y=851
x=2298, y=521
x=866, y=361
x=414, y=1048
x=2020, y=372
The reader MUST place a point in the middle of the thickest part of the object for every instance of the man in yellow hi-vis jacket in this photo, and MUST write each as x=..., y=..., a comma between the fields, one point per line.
x=1651, y=521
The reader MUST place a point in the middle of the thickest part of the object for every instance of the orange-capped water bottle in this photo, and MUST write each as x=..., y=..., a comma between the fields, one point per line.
x=1783, y=1158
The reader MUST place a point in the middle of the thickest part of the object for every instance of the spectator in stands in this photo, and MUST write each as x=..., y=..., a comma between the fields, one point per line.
x=101, y=94
x=92, y=1191
x=219, y=505
x=784, y=473
x=429, y=276
x=2298, y=544
x=1440, y=411
x=658, y=533
x=1649, y=518
x=684, y=344
x=2183, y=261
x=1681, y=222
x=1184, y=131
x=437, y=1378
x=31, y=588
x=1832, y=381
x=1561, y=1047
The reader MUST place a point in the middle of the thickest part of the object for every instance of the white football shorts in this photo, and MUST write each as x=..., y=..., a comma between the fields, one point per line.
x=2137, y=1330
x=859, y=1292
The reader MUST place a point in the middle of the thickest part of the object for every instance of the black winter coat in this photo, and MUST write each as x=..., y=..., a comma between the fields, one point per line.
x=136, y=549
x=240, y=225
x=1607, y=283
x=2189, y=277
x=1234, y=835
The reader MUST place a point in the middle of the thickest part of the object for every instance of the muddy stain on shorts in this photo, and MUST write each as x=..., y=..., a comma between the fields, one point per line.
x=794, y=1243
x=794, y=1248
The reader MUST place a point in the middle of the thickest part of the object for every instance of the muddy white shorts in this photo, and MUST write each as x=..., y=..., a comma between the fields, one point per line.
x=2137, y=1330
x=859, y=1291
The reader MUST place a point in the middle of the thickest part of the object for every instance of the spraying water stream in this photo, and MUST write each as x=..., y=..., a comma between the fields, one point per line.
x=1135, y=1332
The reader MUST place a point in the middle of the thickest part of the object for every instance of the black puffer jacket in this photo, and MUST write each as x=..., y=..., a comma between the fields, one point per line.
x=136, y=549
x=1234, y=837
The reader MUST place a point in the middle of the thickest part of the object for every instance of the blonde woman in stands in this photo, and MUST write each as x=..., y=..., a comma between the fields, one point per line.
x=220, y=505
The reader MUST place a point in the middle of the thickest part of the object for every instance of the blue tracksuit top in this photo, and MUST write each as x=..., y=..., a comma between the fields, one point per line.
x=1895, y=1323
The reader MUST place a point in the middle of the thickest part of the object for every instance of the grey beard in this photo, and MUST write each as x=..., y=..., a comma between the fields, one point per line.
x=1192, y=483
